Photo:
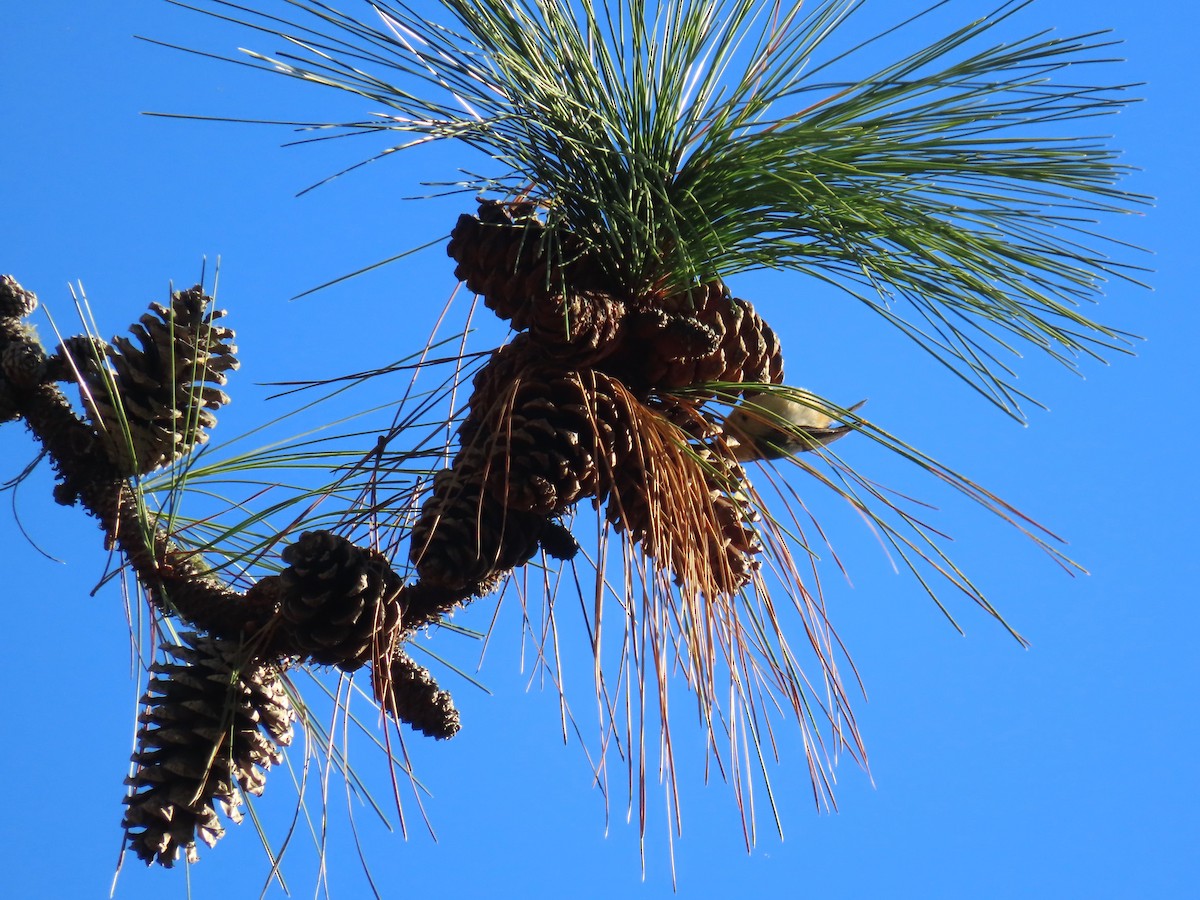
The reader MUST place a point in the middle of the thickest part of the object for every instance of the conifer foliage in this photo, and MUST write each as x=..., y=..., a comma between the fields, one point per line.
x=642, y=153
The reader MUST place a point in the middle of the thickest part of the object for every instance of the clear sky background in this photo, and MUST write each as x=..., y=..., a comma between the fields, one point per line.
x=1065, y=771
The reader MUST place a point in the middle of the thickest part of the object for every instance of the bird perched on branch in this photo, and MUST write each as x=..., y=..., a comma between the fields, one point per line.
x=774, y=424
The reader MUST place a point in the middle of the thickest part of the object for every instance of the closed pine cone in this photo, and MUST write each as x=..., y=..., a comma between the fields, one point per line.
x=494, y=384
x=509, y=257
x=579, y=327
x=15, y=301
x=464, y=538
x=698, y=336
x=548, y=446
x=501, y=256
x=407, y=691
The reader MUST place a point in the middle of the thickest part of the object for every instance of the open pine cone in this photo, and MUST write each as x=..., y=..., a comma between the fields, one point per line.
x=211, y=725
x=339, y=601
x=157, y=400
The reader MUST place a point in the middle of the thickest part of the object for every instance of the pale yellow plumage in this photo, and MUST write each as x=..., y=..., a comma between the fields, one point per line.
x=772, y=425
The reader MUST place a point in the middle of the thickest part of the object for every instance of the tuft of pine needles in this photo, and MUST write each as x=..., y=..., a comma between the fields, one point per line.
x=952, y=191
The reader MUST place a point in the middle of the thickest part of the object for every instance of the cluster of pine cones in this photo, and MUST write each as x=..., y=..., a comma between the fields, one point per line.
x=578, y=406
x=214, y=718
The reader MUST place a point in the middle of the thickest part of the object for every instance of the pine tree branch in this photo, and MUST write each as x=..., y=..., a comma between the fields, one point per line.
x=176, y=584
x=175, y=579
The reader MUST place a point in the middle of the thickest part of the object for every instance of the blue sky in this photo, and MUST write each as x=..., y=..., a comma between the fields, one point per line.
x=1063, y=771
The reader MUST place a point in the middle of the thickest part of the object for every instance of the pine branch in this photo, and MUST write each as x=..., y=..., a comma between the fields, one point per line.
x=176, y=585
x=175, y=579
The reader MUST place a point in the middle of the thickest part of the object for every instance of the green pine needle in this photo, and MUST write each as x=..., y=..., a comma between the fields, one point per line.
x=951, y=191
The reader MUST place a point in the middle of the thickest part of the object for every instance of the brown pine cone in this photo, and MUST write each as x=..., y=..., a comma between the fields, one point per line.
x=502, y=256
x=464, y=538
x=548, y=446
x=695, y=337
x=23, y=364
x=212, y=723
x=339, y=601
x=158, y=400
x=580, y=327
x=494, y=384
x=510, y=258
x=408, y=692
x=15, y=301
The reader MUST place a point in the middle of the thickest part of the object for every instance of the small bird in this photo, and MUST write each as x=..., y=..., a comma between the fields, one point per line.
x=775, y=424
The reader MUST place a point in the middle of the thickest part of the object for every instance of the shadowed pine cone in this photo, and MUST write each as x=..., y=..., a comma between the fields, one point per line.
x=509, y=257
x=558, y=542
x=161, y=384
x=551, y=438
x=698, y=336
x=501, y=256
x=23, y=363
x=580, y=328
x=209, y=728
x=493, y=385
x=75, y=355
x=734, y=544
x=338, y=600
x=550, y=444
x=408, y=692
x=15, y=301
x=463, y=537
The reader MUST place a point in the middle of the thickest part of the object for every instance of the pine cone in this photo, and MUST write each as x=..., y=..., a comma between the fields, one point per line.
x=15, y=301
x=339, y=600
x=408, y=692
x=23, y=363
x=211, y=726
x=501, y=255
x=548, y=444
x=580, y=328
x=74, y=355
x=464, y=537
x=698, y=336
x=688, y=413
x=557, y=541
x=552, y=438
x=160, y=386
x=508, y=256
x=493, y=385
x=734, y=543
